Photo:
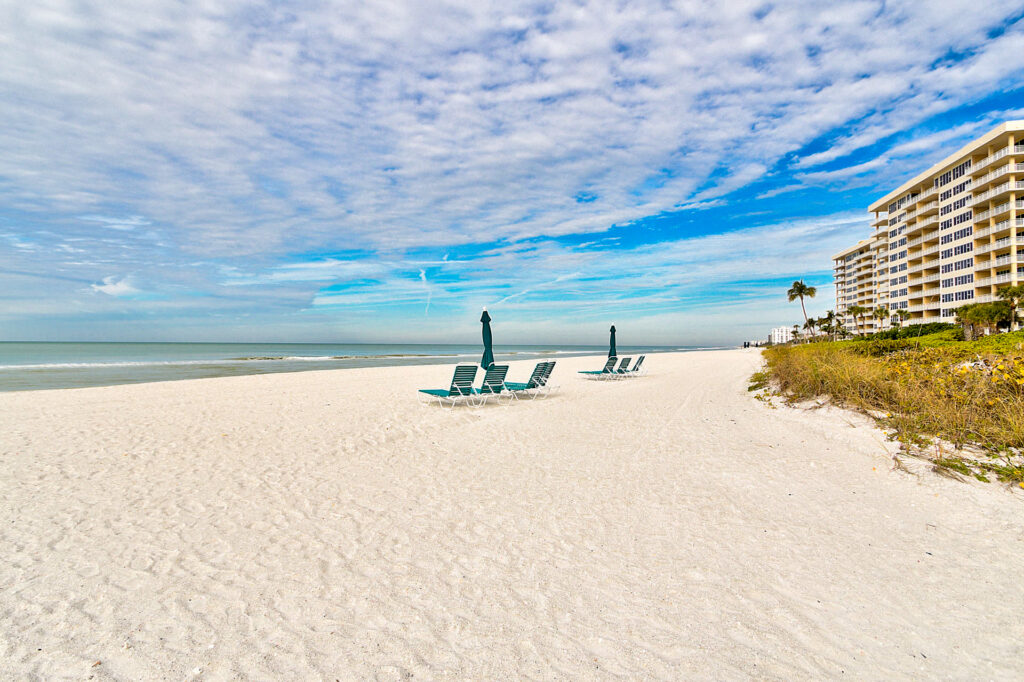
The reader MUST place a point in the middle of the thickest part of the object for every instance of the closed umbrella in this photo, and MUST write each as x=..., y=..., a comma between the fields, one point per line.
x=611, y=348
x=488, y=359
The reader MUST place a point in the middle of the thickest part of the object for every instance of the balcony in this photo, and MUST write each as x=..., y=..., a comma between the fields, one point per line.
x=934, y=264
x=982, y=216
x=998, y=227
x=998, y=279
x=993, y=262
x=997, y=173
x=1003, y=243
x=997, y=190
x=923, y=238
x=882, y=220
x=930, y=208
x=995, y=156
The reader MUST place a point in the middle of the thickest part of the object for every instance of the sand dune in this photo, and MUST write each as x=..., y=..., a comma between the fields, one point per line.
x=325, y=525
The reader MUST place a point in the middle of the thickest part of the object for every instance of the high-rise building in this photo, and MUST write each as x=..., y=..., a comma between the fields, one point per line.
x=950, y=236
x=780, y=335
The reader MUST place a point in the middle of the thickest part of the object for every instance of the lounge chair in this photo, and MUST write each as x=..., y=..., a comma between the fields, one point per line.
x=461, y=388
x=623, y=369
x=636, y=368
x=609, y=368
x=537, y=383
x=493, y=384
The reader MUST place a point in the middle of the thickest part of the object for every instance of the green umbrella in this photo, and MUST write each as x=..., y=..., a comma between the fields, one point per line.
x=488, y=359
x=611, y=349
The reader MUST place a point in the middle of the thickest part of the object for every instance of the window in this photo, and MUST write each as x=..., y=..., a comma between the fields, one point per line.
x=959, y=234
x=957, y=281
x=956, y=220
x=966, y=295
x=955, y=206
x=957, y=250
x=959, y=265
x=953, y=174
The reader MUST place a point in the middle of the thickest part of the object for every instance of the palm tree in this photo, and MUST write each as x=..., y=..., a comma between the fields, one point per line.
x=857, y=311
x=809, y=325
x=796, y=332
x=830, y=324
x=902, y=314
x=1014, y=296
x=880, y=313
x=967, y=318
x=800, y=290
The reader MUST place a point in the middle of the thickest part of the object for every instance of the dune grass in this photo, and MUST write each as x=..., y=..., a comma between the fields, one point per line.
x=934, y=389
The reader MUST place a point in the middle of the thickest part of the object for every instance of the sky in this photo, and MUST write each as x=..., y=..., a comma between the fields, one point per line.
x=380, y=171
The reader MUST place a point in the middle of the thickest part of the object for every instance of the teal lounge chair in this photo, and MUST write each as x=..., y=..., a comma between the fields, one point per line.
x=623, y=368
x=609, y=368
x=461, y=388
x=636, y=368
x=537, y=383
x=493, y=385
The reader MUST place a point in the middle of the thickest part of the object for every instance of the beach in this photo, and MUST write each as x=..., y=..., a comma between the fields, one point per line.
x=328, y=525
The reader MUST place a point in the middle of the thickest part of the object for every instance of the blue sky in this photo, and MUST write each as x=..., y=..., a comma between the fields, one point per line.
x=313, y=171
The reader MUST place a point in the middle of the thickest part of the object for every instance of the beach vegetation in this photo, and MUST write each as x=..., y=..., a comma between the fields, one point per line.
x=967, y=396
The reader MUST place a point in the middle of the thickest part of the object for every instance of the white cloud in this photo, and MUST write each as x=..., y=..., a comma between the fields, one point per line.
x=114, y=223
x=438, y=123
x=115, y=286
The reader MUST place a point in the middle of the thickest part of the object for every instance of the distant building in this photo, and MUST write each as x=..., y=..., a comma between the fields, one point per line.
x=780, y=335
x=950, y=236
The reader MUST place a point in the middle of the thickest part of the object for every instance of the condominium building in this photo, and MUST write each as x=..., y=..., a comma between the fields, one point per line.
x=948, y=237
x=780, y=335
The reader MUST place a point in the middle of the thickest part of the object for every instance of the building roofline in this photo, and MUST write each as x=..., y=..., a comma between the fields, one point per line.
x=1008, y=126
x=851, y=249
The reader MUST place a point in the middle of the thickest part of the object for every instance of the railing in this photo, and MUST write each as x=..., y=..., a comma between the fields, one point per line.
x=984, y=196
x=998, y=227
x=998, y=279
x=923, y=266
x=927, y=207
x=994, y=156
x=994, y=262
x=984, y=298
x=995, y=210
x=1002, y=170
x=998, y=244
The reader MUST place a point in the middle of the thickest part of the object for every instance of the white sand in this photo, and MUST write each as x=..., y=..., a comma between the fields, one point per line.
x=327, y=526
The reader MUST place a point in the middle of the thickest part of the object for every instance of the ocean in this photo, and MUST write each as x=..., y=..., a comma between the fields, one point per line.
x=36, y=366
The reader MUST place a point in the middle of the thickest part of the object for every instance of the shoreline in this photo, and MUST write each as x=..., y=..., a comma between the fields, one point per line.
x=327, y=525
x=74, y=375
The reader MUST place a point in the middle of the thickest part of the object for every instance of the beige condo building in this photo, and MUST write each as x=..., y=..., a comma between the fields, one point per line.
x=948, y=237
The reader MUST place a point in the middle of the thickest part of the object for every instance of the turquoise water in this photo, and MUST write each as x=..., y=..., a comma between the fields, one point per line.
x=34, y=366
